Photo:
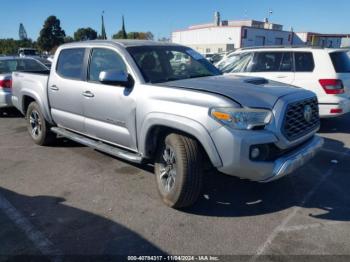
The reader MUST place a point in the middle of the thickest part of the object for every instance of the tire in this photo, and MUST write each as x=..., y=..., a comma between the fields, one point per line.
x=178, y=170
x=38, y=127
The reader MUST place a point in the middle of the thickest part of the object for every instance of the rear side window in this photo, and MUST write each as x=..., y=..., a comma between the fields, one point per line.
x=272, y=62
x=341, y=61
x=8, y=66
x=30, y=65
x=104, y=60
x=71, y=63
x=304, y=62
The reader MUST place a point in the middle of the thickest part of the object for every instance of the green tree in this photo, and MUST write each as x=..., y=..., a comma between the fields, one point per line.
x=68, y=39
x=51, y=35
x=83, y=34
x=140, y=35
x=11, y=46
x=103, y=29
x=121, y=33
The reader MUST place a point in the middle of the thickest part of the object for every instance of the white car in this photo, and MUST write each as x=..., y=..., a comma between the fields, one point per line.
x=326, y=72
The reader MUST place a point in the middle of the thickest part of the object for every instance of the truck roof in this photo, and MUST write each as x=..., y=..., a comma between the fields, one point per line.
x=122, y=42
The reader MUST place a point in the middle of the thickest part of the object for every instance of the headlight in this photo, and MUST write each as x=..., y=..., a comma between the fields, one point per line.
x=241, y=118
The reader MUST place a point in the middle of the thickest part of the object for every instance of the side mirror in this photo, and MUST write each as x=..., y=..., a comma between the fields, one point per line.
x=114, y=77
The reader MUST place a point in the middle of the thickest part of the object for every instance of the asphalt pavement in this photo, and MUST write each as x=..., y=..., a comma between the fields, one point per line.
x=68, y=199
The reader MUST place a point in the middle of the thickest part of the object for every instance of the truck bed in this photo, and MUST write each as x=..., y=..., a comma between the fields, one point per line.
x=32, y=86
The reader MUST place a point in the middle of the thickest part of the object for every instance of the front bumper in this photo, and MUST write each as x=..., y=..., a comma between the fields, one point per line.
x=5, y=99
x=234, y=149
x=297, y=158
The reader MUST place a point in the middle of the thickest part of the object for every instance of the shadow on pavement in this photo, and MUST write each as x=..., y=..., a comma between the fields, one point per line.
x=336, y=125
x=226, y=196
x=10, y=113
x=77, y=232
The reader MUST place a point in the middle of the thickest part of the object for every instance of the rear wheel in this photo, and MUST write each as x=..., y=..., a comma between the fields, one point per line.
x=38, y=127
x=178, y=170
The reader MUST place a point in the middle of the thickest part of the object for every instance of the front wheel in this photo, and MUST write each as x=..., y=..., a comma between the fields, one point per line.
x=37, y=126
x=178, y=170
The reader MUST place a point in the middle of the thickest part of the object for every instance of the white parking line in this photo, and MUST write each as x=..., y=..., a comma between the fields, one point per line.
x=36, y=237
x=316, y=225
x=261, y=250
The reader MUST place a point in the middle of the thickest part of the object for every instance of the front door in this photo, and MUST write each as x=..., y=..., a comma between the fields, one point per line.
x=110, y=110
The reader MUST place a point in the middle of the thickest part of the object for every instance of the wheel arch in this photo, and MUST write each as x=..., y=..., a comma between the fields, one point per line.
x=29, y=97
x=157, y=125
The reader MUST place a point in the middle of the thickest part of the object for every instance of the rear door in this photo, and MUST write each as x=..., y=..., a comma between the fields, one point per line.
x=65, y=89
x=276, y=66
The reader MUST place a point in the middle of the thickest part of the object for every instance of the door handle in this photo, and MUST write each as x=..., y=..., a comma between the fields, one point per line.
x=281, y=76
x=54, y=88
x=88, y=94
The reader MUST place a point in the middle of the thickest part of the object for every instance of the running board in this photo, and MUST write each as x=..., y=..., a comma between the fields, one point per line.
x=98, y=145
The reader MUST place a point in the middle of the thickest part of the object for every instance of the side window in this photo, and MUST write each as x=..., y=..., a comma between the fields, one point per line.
x=267, y=62
x=286, y=63
x=150, y=65
x=71, y=63
x=103, y=60
x=236, y=63
x=32, y=65
x=304, y=62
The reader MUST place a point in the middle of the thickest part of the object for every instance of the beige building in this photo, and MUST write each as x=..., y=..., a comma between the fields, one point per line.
x=224, y=35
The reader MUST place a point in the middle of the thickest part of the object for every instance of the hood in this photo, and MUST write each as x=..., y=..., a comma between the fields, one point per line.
x=247, y=91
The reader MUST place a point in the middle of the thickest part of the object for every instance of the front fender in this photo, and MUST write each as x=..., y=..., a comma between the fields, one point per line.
x=183, y=124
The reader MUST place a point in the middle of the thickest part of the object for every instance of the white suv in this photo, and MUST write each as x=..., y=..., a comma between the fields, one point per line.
x=326, y=72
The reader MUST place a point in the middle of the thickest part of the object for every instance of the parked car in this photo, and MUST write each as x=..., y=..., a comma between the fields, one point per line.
x=180, y=61
x=7, y=66
x=126, y=98
x=34, y=53
x=326, y=72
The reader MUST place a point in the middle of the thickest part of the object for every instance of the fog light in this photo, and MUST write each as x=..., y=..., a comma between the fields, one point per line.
x=255, y=153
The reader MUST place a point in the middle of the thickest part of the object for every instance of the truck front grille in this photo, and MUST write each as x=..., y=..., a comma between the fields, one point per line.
x=300, y=119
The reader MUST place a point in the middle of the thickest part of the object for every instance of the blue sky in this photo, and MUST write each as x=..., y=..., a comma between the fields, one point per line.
x=162, y=16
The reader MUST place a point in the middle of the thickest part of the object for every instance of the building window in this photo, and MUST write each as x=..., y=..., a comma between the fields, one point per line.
x=220, y=50
x=207, y=50
x=279, y=41
x=245, y=33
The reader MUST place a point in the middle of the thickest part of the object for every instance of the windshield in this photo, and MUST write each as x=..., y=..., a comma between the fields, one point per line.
x=10, y=65
x=168, y=63
x=341, y=61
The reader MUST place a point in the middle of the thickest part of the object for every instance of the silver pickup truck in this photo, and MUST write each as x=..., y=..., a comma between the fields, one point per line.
x=132, y=100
